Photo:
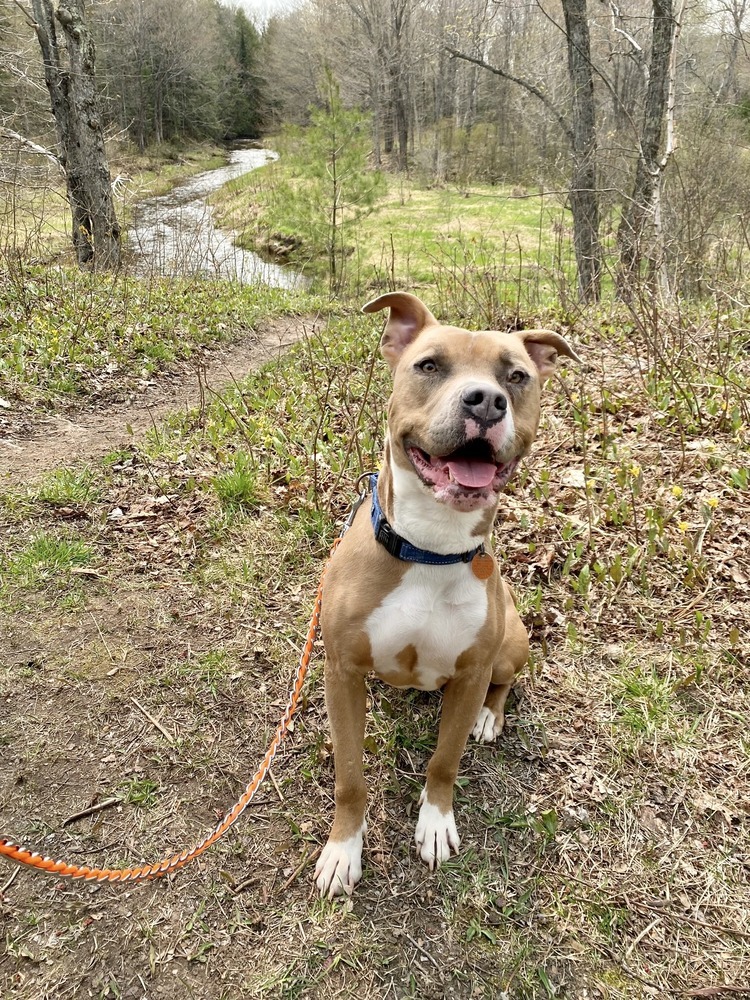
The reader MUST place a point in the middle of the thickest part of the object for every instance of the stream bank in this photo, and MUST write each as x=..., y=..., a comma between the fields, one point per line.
x=174, y=235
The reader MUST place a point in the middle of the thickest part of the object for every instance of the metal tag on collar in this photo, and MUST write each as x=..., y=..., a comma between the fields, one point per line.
x=482, y=564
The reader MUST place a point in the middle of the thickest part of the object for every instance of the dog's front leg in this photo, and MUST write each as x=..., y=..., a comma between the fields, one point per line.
x=436, y=835
x=339, y=866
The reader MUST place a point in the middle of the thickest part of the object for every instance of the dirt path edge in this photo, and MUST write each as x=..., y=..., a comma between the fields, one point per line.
x=94, y=431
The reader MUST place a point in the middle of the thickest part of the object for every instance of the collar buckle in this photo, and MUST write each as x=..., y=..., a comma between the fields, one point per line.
x=388, y=538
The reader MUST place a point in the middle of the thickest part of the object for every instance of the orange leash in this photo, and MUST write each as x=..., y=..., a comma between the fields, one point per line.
x=32, y=859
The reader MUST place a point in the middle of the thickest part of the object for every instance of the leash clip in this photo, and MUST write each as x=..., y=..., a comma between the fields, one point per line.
x=364, y=492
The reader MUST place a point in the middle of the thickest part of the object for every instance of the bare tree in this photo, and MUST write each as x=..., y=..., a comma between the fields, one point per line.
x=584, y=197
x=388, y=30
x=69, y=71
x=733, y=15
x=579, y=128
x=641, y=216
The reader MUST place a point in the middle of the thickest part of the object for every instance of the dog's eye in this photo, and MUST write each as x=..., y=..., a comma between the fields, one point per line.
x=518, y=377
x=428, y=366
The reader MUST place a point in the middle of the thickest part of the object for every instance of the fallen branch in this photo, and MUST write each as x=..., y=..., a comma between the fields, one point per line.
x=153, y=721
x=107, y=804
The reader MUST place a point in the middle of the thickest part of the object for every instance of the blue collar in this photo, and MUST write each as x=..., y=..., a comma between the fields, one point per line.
x=399, y=547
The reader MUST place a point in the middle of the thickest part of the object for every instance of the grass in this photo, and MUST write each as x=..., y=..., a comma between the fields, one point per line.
x=67, y=487
x=238, y=489
x=512, y=246
x=48, y=557
x=69, y=334
x=602, y=838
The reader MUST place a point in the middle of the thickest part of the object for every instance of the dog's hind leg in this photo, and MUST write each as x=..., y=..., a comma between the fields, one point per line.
x=512, y=656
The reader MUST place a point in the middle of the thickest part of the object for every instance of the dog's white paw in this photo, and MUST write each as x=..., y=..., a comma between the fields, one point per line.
x=339, y=866
x=486, y=728
x=436, y=835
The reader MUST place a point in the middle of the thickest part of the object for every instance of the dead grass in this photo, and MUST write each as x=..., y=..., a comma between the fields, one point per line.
x=605, y=840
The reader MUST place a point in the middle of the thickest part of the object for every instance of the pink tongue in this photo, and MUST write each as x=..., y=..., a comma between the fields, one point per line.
x=472, y=474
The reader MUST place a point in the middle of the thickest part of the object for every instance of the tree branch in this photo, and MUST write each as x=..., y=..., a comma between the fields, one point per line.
x=26, y=12
x=559, y=118
x=33, y=147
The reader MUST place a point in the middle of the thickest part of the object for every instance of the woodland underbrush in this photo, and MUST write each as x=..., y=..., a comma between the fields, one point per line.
x=153, y=608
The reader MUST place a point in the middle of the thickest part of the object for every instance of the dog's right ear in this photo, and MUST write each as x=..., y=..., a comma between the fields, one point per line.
x=409, y=316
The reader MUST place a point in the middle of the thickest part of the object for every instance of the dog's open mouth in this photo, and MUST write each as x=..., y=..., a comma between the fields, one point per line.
x=470, y=469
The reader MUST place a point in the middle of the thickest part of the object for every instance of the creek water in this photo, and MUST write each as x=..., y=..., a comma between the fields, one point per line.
x=174, y=234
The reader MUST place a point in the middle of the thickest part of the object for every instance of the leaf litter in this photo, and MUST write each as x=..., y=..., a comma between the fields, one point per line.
x=604, y=840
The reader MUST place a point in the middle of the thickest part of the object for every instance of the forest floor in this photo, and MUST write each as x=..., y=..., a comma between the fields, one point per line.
x=153, y=608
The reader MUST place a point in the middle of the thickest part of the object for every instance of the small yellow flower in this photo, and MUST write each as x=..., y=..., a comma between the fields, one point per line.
x=712, y=502
x=677, y=492
x=635, y=469
x=683, y=526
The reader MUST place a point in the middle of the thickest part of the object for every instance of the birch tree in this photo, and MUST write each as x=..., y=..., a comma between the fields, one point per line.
x=640, y=232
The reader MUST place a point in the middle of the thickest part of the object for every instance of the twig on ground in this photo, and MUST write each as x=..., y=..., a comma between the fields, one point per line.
x=716, y=991
x=153, y=721
x=104, y=641
x=419, y=947
x=634, y=944
x=9, y=882
x=276, y=786
x=734, y=931
x=297, y=871
x=98, y=807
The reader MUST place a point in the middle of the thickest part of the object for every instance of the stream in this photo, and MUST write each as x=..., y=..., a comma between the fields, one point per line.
x=174, y=235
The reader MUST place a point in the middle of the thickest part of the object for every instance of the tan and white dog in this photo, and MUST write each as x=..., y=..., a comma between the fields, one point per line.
x=410, y=593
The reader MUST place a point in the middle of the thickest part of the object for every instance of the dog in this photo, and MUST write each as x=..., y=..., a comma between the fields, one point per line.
x=413, y=593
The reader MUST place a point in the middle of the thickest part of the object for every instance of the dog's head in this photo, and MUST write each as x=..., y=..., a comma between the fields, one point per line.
x=465, y=405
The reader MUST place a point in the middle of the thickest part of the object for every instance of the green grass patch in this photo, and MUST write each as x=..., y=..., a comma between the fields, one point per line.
x=645, y=700
x=142, y=792
x=68, y=487
x=47, y=557
x=69, y=333
x=492, y=250
x=238, y=489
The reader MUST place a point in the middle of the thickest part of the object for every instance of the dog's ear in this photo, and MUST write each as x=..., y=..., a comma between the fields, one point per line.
x=543, y=347
x=409, y=316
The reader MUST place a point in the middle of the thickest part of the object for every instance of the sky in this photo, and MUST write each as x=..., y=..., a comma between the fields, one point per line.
x=261, y=10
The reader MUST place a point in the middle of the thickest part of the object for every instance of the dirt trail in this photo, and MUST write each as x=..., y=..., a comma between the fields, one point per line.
x=93, y=431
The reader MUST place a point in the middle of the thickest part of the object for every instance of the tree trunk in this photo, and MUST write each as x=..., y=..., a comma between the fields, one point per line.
x=71, y=85
x=581, y=134
x=399, y=105
x=376, y=120
x=639, y=212
x=584, y=200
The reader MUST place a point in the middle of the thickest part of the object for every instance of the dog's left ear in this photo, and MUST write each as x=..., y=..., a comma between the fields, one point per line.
x=409, y=316
x=543, y=347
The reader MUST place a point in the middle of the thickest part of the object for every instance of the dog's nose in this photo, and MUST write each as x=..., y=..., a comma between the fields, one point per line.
x=484, y=403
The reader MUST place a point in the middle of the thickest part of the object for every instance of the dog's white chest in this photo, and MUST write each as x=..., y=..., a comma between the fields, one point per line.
x=421, y=628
